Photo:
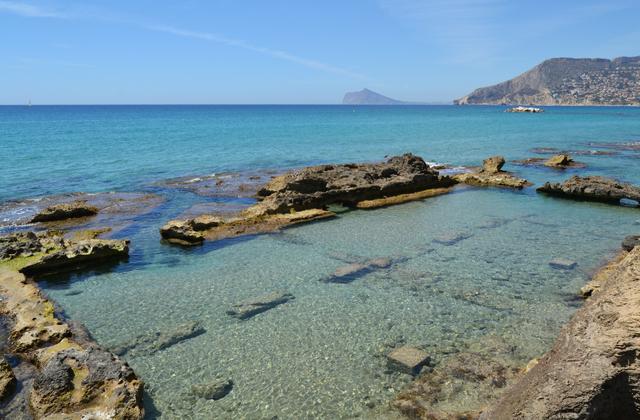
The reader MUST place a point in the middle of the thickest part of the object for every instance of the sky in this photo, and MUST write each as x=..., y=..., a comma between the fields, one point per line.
x=291, y=51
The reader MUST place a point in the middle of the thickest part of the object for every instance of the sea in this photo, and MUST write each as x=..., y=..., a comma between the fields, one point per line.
x=322, y=354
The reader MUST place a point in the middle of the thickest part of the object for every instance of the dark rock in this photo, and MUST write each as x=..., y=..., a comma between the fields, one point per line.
x=563, y=264
x=320, y=186
x=77, y=255
x=181, y=232
x=630, y=242
x=7, y=380
x=252, y=307
x=493, y=164
x=64, y=211
x=406, y=359
x=592, y=188
x=151, y=343
x=214, y=390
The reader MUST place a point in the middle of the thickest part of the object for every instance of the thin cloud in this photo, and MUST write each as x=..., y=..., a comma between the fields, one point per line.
x=279, y=54
x=28, y=10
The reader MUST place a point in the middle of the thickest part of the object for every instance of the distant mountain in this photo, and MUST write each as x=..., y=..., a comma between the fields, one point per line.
x=369, y=97
x=567, y=81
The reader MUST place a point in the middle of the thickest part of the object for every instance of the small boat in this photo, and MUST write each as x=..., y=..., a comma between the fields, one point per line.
x=525, y=109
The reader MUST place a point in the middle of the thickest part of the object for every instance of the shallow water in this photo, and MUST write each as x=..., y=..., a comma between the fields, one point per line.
x=322, y=354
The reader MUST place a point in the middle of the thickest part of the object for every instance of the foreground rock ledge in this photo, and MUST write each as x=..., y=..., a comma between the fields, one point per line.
x=76, y=379
x=593, y=371
x=304, y=195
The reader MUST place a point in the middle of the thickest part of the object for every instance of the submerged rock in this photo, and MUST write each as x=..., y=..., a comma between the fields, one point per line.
x=452, y=238
x=252, y=307
x=563, y=264
x=406, y=359
x=350, y=272
x=213, y=390
x=593, y=370
x=7, y=380
x=78, y=254
x=151, y=343
x=64, y=211
x=592, y=188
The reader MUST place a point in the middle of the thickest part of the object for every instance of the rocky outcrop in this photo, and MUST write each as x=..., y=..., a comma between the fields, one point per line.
x=255, y=306
x=75, y=379
x=86, y=383
x=491, y=175
x=593, y=188
x=190, y=232
x=78, y=254
x=151, y=343
x=630, y=242
x=64, y=211
x=593, y=370
x=526, y=109
x=319, y=186
x=559, y=161
x=304, y=195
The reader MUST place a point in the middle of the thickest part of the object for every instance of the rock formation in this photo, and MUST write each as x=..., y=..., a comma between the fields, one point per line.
x=64, y=211
x=492, y=175
x=593, y=188
x=593, y=370
x=304, y=195
x=567, y=81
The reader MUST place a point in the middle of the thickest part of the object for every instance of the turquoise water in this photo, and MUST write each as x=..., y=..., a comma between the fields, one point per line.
x=322, y=354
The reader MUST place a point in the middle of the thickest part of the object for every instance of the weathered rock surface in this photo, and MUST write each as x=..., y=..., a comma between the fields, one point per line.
x=559, y=161
x=406, y=359
x=64, y=211
x=350, y=272
x=78, y=254
x=593, y=370
x=151, y=343
x=87, y=383
x=214, y=390
x=592, y=188
x=75, y=379
x=319, y=186
x=630, y=242
x=191, y=232
x=252, y=307
x=491, y=175
x=493, y=165
x=7, y=380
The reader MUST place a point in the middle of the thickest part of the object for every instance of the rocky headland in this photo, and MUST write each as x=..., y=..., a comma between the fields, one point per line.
x=567, y=81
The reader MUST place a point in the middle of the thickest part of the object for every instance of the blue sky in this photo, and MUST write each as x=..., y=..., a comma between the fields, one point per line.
x=293, y=51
